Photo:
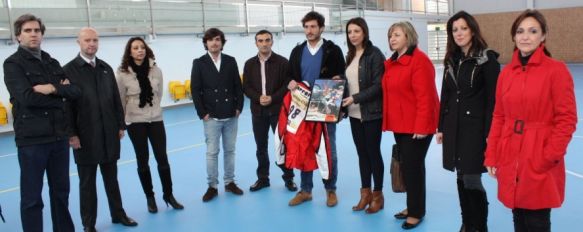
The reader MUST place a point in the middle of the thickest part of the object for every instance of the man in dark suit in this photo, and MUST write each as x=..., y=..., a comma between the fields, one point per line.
x=38, y=92
x=97, y=125
x=218, y=99
x=264, y=82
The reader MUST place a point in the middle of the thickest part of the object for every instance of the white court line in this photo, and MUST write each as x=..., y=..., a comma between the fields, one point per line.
x=578, y=136
x=7, y=155
x=124, y=162
x=575, y=174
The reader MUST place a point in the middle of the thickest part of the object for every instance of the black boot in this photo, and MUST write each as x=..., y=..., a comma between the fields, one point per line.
x=464, y=206
x=478, y=201
x=166, y=179
x=152, y=207
x=146, y=180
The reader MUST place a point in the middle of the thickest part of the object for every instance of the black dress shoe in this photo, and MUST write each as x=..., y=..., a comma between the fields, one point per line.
x=210, y=194
x=408, y=226
x=125, y=220
x=232, y=187
x=89, y=229
x=291, y=186
x=152, y=207
x=259, y=184
x=169, y=199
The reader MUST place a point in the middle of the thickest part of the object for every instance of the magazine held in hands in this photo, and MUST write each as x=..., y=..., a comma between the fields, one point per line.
x=326, y=100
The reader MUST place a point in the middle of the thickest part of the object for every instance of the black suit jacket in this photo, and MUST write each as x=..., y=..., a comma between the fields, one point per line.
x=97, y=116
x=217, y=93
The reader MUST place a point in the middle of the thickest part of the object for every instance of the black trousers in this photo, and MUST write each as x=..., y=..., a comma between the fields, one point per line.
x=88, y=191
x=526, y=220
x=261, y=125
x=413, y=152
x=155, y=132
x=34, y=160
x=367, y=139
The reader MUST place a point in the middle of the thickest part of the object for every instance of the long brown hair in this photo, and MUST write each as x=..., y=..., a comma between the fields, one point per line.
x=478, y=42
x=127, y=54
x=536, y=15
x=360, y=22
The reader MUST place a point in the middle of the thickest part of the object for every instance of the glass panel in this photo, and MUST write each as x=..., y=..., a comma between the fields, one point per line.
x=61, y=17
x=178, y=16
x=4, y=24
x=114, y=17
x=437, y=41
x=265, y=15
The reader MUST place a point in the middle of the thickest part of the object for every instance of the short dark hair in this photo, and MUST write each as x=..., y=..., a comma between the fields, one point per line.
x=212, y=33
x=24, y=19
x=263, y=32
x=313, y=15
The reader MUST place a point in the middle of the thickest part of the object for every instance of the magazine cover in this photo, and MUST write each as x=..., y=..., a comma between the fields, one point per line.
x=326, y=100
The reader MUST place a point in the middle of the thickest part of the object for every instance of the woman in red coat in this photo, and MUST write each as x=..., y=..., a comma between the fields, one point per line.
x=410, y=111
x=534, y=119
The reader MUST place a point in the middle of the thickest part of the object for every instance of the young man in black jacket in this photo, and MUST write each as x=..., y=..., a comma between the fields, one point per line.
x=218, y=98
x=265, y=83
x=316, y=58
x=38, y=92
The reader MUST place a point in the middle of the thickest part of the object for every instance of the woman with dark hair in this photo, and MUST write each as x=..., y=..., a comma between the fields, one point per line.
x=533, y=122
x=364, y=71
x=411, y=112
x=140, y=86
x=467, y=102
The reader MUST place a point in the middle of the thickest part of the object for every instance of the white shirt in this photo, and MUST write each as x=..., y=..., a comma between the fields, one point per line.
x=262, y=60
x=216, y=62
x=314, y=50
x=89, y=61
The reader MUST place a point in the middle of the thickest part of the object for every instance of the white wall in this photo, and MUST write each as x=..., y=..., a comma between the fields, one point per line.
x=494, y=6
x=174, y=53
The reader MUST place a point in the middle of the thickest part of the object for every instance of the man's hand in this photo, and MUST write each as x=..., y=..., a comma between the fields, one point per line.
x=237, y=113
x=337, y=77
x=65, y=82
x=419, y=136
x=265, y=100
x=74, y=142
x=292, y=85
x=492, y=171
x=121, y=134
x=45, y=89
x=206, y=117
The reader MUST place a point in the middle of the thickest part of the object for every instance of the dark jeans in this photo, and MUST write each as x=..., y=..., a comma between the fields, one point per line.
x=526, y=220
x=307, y=182
x=88, y=192
x=367, y=138
x=34, y=160
x=155, y=132
x=413, y=152
x=261, y=125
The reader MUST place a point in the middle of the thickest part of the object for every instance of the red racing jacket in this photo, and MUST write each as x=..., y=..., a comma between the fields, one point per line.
x=300, y=144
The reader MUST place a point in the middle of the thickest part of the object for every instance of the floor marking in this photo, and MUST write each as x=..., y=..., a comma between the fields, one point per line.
x=124, y=162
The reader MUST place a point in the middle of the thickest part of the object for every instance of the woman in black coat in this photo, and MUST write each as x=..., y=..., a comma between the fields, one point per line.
x=467, y=103
x=364, y=70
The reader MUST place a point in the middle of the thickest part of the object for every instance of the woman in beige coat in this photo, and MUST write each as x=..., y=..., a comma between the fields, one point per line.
x=140, y=88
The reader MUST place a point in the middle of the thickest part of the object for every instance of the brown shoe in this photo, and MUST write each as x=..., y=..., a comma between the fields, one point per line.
x=365, y=199
x=232, y=187
x=332, y=199
x=377, y=203
x=300, y=197
x=210, y=194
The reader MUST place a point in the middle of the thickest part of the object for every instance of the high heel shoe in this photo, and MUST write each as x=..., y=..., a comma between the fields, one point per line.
x=169, y=199
x=152, y=207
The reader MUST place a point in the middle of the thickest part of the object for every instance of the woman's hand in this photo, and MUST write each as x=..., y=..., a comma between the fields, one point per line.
x=419, y=136
x=347, y=101
x=492, y=171
x=439, y=138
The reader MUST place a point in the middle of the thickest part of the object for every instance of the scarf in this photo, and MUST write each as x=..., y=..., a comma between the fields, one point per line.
x=142, y=71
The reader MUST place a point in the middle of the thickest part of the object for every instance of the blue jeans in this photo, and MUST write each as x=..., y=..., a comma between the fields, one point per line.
x=34, y=160
x=307, y=183
x=213, y=130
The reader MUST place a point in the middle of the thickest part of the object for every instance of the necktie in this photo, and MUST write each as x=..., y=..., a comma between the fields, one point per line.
x=92, y=64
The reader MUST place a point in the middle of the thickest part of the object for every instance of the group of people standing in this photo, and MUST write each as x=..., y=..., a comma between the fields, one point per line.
x=514, y=124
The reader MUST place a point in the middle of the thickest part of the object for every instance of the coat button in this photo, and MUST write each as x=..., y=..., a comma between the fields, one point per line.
x=46, y=113
x=226, y=90
x=217, y=100
x=457, y=100
x=227, y=100
x=468, y=112
x=216, y=90
x=458, y=92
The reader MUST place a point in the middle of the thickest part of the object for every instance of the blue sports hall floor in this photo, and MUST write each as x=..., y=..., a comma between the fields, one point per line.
x=267, y=210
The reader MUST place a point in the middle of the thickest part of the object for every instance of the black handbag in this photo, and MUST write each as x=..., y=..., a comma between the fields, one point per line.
x=397, y=182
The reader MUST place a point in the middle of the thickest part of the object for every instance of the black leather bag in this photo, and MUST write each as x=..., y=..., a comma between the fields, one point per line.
x=397, y=182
